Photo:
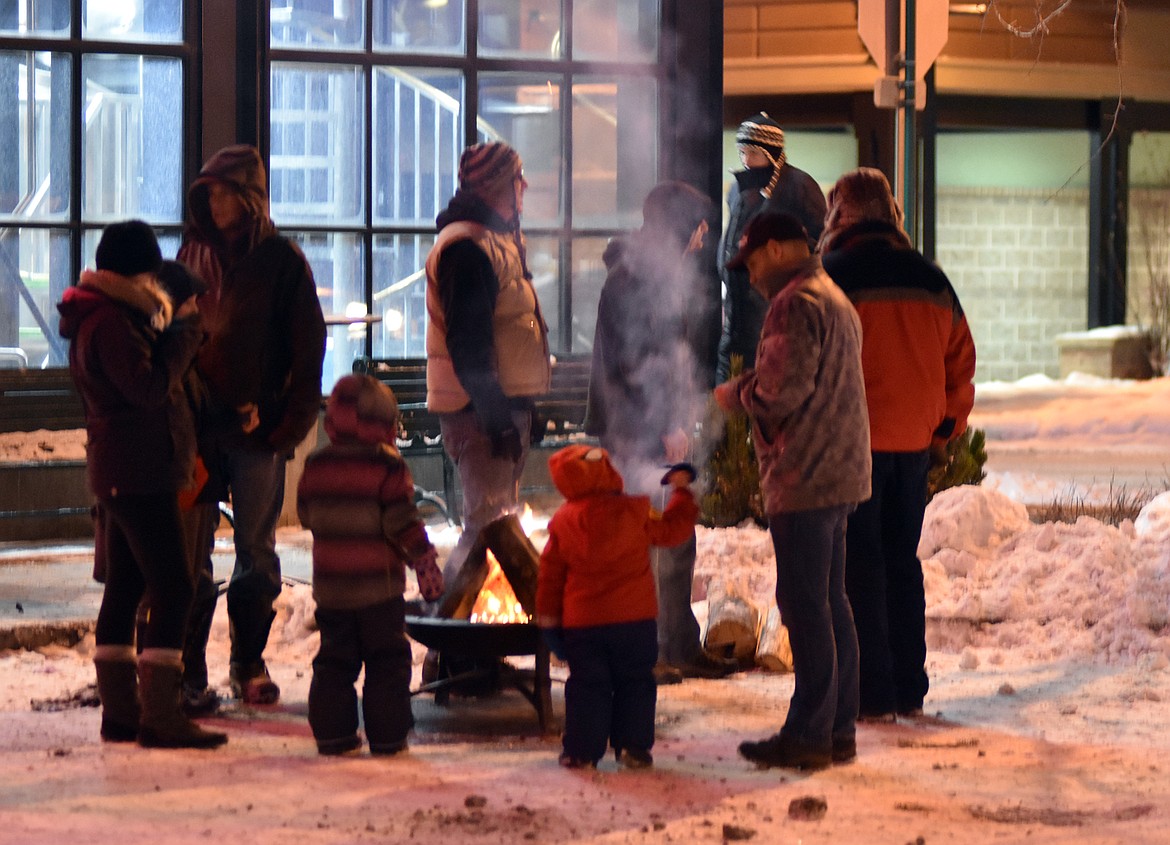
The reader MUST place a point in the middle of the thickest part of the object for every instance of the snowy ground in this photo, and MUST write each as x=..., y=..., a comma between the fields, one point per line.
x=1047, y=717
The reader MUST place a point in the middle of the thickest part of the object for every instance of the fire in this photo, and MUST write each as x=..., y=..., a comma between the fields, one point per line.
x=496, y=602
x=530, y=522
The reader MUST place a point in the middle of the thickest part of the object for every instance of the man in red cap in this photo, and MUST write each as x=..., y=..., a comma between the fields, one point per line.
x=806, y=401
x=487, y=342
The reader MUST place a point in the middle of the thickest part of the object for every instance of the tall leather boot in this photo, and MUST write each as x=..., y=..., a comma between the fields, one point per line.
x=117, y=683
x=164, y=725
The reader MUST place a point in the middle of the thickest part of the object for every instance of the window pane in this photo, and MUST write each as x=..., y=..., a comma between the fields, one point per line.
x=133, y=141
x=339, y=270
x=418, y=132
x=419, y=26
x=544, y=261
x=400, y=291
x=1148, y=244
x=35, y=129
x=532, y=28
x=132, y=20
x=35, y=17
x=332, y=24
x=317, y=158
x=615, y=29
x=615, y=149
x=588, y=277
x=525, y=111
x=34, y=273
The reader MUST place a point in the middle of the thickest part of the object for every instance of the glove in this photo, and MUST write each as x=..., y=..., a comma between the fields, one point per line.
x=506, y=444
x=430, y=578
x=554, y=638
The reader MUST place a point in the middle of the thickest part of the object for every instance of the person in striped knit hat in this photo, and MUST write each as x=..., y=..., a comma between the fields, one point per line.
x=767, y=183
x=487, y=342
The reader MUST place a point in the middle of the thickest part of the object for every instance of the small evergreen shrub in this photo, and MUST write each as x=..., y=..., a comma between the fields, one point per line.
x=966, y=455
x=732, y=474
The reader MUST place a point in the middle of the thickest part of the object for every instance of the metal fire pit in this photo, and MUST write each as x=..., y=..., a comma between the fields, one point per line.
x=462, y=638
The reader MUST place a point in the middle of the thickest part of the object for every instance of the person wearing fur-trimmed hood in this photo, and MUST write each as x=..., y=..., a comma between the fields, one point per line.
x=128, y=359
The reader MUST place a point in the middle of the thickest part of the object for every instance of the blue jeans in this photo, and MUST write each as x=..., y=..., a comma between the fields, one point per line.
x=884, y=582
x=810, y=592
x=610, y=696
x=256, y=480
x=491, y=485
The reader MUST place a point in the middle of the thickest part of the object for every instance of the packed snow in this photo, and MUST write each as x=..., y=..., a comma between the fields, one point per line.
x=1046, y=722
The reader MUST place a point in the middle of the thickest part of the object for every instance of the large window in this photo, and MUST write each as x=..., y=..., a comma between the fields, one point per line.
x=92, y=125
x=372, y=103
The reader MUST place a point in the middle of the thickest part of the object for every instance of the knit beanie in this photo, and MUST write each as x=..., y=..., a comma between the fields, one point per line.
x=179, y=282
x=361, y=409
x=488, y=169
x=763, y=133
x=128, y=248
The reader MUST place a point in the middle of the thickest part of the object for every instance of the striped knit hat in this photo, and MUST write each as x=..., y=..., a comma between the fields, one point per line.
x=488, y=169
x=762, y=132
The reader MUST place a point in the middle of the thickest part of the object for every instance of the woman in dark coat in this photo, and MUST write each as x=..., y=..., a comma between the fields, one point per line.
x=128, y=357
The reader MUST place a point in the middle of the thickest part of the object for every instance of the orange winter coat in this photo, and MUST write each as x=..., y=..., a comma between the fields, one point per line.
x=917, y=353
x=595, y=569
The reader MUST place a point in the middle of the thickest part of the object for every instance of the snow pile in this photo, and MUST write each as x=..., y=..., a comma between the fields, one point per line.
x=1086, y=590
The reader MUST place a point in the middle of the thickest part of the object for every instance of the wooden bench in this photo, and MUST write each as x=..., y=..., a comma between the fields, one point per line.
x=562, y=409
x=36, y=399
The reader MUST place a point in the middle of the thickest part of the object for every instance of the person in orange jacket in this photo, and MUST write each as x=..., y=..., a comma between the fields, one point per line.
x=596, y=602
x=918, y=362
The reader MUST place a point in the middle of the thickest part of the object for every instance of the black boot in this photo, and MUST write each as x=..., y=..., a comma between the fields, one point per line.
x=117, y=683
x=164, y=725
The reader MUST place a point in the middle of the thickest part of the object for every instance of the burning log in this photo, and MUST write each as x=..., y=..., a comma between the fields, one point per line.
x=517, y=558
x=774, y=653
x=732, y=623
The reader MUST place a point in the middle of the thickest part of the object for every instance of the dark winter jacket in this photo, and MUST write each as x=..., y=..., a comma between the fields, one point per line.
x=646, y=376
x=595, y=568
x=358, y=500
x=743, y=308
x=806, y=397
x=266, y=331
x=487, y=341
x=128, y=361
x=917, y=353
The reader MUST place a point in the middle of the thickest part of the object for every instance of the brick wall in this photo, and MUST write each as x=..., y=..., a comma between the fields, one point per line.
x=1018, y=259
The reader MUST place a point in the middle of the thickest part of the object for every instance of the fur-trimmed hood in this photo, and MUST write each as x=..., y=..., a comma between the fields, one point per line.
x=142, y=293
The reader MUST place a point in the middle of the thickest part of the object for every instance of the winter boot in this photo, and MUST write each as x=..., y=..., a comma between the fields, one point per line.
x=117, y=682
x=164, y=725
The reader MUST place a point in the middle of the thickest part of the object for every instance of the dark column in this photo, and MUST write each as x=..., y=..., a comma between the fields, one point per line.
x=929, y=183
x=875, y=135
x=1108, y=213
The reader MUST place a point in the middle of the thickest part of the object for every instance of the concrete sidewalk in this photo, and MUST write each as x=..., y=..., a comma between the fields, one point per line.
x=48, y=595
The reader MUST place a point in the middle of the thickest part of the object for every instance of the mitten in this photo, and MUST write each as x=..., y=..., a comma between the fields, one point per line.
x=506, y=444
x=430, y=578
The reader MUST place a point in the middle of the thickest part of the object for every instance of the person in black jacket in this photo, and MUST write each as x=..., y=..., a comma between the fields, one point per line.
x=262, y=363
x=128, y=357
x=767, y=183
x=647, y=389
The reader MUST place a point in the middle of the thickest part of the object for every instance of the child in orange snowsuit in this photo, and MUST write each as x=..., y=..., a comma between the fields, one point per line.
x=596, y=604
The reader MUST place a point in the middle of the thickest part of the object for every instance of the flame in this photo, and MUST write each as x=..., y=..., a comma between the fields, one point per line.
x=530, y=522
x=496, y=602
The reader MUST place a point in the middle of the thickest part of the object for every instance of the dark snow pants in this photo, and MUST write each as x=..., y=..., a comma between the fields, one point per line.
x=883, y=577
x=372, y=636
x=610, y=695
